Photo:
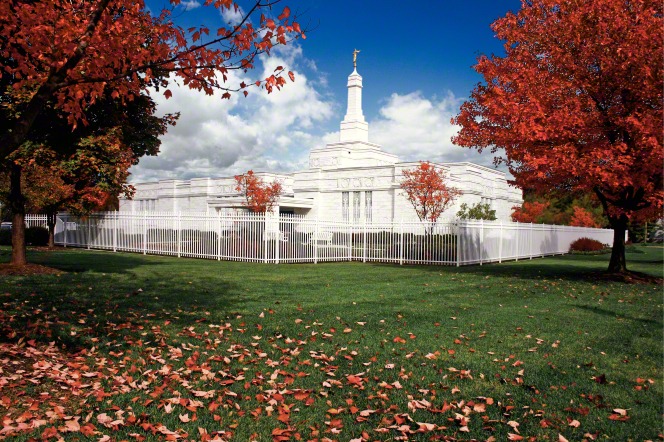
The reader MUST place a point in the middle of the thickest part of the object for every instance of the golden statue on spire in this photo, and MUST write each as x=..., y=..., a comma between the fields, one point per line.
x=355, y=52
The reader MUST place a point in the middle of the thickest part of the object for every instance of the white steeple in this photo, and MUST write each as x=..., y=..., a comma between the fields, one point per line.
x=353, y=148
x=353, y=126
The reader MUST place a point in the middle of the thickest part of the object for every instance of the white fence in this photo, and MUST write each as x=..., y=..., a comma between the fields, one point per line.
x=291, y=239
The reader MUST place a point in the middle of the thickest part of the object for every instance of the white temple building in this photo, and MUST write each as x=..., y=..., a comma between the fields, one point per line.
x=352, y=179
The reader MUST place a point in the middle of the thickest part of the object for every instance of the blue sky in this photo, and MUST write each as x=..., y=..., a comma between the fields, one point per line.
x=416, y=62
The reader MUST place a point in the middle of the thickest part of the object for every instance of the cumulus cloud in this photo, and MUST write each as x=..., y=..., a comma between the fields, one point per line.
x=188, y=5
x=232, y=16
x=417, y=128
x=263, y=132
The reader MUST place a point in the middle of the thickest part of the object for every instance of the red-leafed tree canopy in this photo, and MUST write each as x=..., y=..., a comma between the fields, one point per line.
x=425, y=188
x=576, y=104
x=66, y=55
x=69, y=52
x=260, y=196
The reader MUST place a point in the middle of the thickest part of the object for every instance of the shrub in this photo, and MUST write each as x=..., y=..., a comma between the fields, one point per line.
x=36, y=236
x=586, y=245
x=477, y=211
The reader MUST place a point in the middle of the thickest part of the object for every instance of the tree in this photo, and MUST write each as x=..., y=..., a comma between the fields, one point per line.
x=81, y=170
x=68, y=53
x=476, y=211
x=260, y=196
x=576, y=104
x=559, y=209
x=529, y=212
x=426, y=190
x=582, y=218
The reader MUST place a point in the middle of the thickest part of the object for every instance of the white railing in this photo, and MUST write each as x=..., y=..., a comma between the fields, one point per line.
x=292, y=239
x=35, y=220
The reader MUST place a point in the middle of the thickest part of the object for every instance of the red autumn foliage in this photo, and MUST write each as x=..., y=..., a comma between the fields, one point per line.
x=426, y=190
x=582, y=218
x=260, y=196
x=66, y=55
x=586, y=245
x=576, y=104
x=529, y=212
x=70, y=52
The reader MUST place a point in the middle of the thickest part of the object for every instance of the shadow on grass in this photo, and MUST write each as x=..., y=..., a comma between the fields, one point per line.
x=580, y=268
x=109, y=299
x=613, y=314
x=83, y=260
x=78, y=318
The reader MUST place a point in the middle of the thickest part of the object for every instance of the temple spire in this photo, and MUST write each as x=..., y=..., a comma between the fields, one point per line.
x=353, y=126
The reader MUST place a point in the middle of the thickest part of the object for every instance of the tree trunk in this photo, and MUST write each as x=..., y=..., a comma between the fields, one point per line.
x=17, y=206
x=51, y=218
x=617, y=264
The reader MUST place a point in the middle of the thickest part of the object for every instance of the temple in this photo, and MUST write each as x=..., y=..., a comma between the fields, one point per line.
x=352, y=180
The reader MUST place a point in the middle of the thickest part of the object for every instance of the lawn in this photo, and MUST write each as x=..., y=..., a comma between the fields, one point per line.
x=131, y=347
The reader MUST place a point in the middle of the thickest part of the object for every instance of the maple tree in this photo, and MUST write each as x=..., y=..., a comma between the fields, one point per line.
x=80, y=170
x=529, y=211
x=582, y=218
x=576, y=104
x=560, y=209
x=70, y=54
x=260, y=196
x=425, y=188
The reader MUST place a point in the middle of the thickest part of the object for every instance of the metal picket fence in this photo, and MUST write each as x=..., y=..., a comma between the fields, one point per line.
x=296, y=239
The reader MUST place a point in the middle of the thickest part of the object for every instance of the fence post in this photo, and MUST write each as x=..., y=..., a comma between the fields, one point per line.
x=350, y=243
x=364, y=245
x=265, y=237
x=479, y=243
x=277, y=240
x=516, y=240
x=401, y=243
x=530, y=242
x=458, y=243
x=145, y=232
x=66, y=217
x=179, y=224
x=316, y=241
x=115, y=232
x=219, y=236
x=500, y=244
x=87, y=236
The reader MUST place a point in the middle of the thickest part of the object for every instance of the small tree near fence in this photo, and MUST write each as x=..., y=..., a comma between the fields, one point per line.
x=477, y=211
x=427, y=191
x=260, y=196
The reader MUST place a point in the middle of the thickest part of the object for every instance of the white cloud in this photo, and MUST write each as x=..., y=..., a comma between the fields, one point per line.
x=188, y=5
x=263, y=132
x=232, y=16
x=418, y=128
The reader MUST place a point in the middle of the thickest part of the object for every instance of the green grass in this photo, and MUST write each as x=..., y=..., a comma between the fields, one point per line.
x=550, y=341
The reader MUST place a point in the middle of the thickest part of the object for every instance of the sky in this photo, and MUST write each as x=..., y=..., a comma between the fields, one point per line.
x=416, y=62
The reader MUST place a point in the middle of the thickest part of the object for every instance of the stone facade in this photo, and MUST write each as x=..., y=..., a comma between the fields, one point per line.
x=352, y=179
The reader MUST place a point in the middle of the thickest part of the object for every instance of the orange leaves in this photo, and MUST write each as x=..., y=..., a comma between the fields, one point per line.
x=569, y=116
x=619, y=414
x=260, y=197
x=529, y=212
x=426, y=190
x=282, y=434
x=582, y=218
x=83, y=49
x=285, y=14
